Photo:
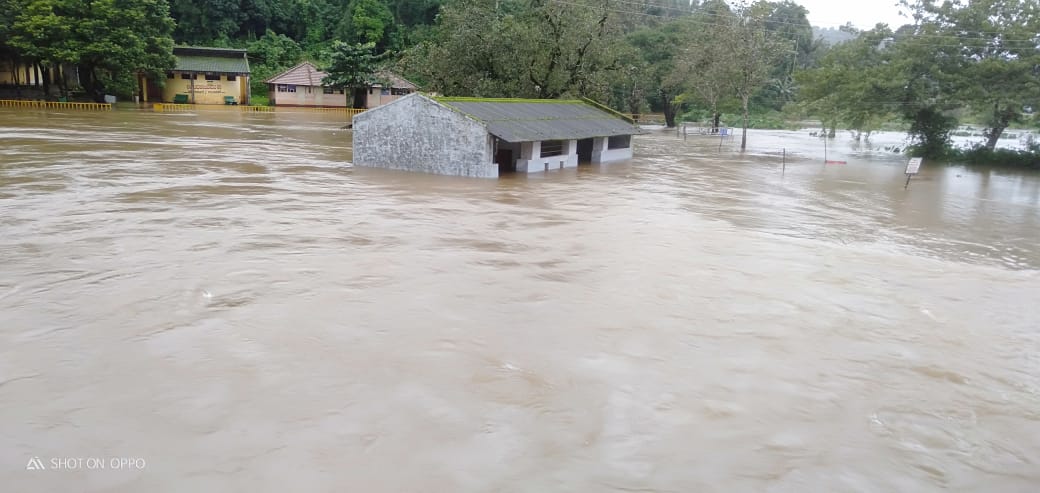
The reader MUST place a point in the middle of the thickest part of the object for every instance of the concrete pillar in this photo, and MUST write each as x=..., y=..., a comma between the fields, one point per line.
x=599, y=147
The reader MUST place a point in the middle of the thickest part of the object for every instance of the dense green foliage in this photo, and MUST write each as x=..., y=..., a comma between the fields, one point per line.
x=110, y=41
x=351, y=67
x=976, y=59
x=726, y=63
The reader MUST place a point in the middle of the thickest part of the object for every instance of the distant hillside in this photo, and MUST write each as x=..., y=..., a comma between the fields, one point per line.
x=831, y=35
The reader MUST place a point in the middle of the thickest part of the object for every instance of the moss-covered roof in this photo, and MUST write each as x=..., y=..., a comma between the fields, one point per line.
x=525, y=120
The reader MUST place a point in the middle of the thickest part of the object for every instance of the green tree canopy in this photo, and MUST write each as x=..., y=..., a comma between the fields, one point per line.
x=351, y=66
x=111, y=40
x=520, y=48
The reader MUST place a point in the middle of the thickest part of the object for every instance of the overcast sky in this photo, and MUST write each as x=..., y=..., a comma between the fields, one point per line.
x=863, y=14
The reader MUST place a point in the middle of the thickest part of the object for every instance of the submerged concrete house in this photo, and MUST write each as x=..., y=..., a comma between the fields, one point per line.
x=488, y=137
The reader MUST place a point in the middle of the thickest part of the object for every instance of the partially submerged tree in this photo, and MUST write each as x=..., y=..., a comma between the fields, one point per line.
x=851, y=85
x=993, y=48
x=704, y=64
x=755, y=51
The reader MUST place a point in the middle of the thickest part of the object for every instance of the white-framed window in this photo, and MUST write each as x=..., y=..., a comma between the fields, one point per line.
x=285, y=88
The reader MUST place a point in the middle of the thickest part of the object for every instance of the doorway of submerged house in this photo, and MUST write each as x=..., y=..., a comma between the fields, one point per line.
x=506, y=162
x=506, y=154
x=584, y=151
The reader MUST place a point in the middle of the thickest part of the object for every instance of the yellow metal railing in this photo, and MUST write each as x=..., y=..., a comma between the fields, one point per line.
x=18, y=103
x=173, y=107
x=350, y=112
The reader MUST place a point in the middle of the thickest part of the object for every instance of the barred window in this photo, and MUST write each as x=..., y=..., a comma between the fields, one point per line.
x=619, y=142
x=552, y=148
x=286, y=88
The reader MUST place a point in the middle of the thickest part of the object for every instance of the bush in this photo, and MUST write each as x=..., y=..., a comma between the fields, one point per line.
x=1002, y=157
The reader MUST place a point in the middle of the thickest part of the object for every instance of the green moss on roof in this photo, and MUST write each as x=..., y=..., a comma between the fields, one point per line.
x=520, y=120
x=446, y=99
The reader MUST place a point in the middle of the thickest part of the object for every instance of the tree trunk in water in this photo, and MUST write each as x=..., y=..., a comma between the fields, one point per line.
x=1001, y=120
x=743, y=135
x=715, y=117
x=992, y=136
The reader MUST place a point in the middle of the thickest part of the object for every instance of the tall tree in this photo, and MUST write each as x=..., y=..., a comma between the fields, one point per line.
x=853, y=85
x=660, y=50
x=704, y=65
x=755, y=52
x=351, y=67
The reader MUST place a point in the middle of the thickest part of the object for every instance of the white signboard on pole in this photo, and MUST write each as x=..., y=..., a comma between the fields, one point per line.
x=913, y=166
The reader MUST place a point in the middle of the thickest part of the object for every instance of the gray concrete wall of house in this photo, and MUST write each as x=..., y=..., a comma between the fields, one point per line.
x=415, y=133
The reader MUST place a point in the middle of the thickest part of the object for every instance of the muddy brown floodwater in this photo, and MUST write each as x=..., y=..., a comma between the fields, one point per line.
x=223, y=299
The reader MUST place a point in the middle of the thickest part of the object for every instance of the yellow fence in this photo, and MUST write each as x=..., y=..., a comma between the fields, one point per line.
x=17, y=103
x=173, y=107
x=350, y=112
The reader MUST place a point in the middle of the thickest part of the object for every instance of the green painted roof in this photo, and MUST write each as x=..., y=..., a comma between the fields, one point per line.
x=202, y=59
x=526, y=120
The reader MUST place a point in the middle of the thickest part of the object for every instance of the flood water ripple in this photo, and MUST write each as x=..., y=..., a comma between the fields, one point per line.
x=223, y=295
